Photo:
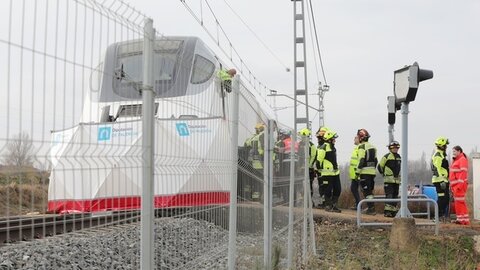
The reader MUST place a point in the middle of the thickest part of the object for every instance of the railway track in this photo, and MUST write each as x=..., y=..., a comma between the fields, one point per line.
x=24, y=228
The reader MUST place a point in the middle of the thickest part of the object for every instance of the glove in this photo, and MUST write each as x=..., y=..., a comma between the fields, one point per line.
x=443, y=185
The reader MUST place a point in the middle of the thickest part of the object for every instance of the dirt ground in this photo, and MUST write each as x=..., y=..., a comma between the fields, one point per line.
x=341, y=245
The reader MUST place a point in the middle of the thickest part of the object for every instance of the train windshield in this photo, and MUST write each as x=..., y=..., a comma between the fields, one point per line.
x=130, y=67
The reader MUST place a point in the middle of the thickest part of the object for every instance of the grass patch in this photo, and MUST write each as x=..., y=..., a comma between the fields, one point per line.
x=342, y=246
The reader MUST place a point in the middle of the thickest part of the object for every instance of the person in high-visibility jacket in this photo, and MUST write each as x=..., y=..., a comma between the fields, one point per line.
x=282, y=150
x=440, y=170
x=458, y=184
x=365, y=171
x=311, y=158
x=255, y=156
x=321, y=185
x=389, y=167
x=352, y=175
x=327, y=163
x=226, y=78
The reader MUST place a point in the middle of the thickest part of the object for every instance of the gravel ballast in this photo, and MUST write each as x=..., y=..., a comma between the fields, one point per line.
x=179, y=244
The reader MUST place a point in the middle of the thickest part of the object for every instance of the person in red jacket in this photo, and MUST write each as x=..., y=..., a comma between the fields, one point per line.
x=458, y=177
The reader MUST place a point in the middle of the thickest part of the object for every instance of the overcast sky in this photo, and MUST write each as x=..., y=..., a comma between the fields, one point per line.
x=362, y=43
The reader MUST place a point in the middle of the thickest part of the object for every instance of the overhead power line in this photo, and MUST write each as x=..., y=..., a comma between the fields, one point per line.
x=316, y=39
x=257, y=37
x=249, y=75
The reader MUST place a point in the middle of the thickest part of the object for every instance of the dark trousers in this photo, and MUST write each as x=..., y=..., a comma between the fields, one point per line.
x=333, y=189
x=367, y=182
x=311, y=173
x=322, y=186
x=443, y=198
x=391, y=192
x=227, y=86
x=354, y=189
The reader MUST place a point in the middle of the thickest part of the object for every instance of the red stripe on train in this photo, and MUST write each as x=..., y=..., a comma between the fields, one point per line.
x=126, y=203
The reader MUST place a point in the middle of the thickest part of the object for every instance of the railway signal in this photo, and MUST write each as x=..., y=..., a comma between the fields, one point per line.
x=405, y=88
x=406, y=82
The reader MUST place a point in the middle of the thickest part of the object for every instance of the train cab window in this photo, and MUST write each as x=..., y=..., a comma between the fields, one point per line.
x=164, y=67
x=130, y=61
x=96, y=78
x=202, y=70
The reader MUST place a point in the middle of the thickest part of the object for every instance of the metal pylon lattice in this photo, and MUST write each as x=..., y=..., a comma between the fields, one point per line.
x=321, y=109
x=300, y=67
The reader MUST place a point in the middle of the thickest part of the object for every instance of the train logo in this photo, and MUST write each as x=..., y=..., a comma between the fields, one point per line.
x=182, y=129
x=104, y=133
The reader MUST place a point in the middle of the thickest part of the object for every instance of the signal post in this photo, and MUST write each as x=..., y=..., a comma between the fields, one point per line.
x=405, y=86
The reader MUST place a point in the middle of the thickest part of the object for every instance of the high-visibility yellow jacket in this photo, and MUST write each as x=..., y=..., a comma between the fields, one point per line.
x=312, y=153
x=439, y=167
x=389, y=167
x=353, y=163
x=327, y=160
x=224, y=76
x=367, y=159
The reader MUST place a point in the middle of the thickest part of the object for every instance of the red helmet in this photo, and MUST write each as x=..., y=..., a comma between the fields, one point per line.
x=363, y=134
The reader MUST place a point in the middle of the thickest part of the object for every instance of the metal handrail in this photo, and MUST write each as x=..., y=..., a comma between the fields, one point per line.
x=413, y=196
x=359, y=212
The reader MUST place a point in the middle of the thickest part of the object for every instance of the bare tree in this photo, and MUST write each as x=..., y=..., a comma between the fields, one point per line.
x=19, y=151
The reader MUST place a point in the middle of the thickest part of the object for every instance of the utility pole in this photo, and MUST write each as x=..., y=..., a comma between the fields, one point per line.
x=322, y=89
x=300, y=94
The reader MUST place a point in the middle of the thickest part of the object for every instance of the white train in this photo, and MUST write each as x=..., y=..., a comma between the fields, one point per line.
x=97, y=164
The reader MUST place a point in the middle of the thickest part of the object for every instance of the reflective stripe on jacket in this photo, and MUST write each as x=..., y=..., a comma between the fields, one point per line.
x=439, y=167
x=327, y=160
x=367, y=159
x=224, y=76
x=353, y=163
x=460, y=162
x=389, y=167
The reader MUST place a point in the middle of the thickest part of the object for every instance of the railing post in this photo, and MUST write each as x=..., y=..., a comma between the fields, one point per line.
x=267, y=195
x=147, y=215
x=232, y=233
x=291, y=203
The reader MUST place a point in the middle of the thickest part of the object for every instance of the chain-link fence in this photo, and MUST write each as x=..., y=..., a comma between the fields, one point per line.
x=226, y=182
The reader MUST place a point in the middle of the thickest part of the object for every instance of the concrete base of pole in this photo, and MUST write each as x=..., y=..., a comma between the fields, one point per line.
x=403, y=236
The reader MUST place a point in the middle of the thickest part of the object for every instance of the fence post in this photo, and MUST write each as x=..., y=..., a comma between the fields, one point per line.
x=232, y=236
x=476, y=185
x=291, y=202
x=306, y=189
x=267, y=194
x=310, y=201
x=147, y=215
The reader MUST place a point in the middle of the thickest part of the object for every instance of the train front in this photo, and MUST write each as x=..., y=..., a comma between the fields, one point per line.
x=97, y=164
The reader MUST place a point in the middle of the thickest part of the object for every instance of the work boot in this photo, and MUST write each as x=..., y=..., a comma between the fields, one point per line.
x=321, y=206
x=328, y=204
x=328, y=208
x=389, y=214
x=370, y=211
x=335, y=209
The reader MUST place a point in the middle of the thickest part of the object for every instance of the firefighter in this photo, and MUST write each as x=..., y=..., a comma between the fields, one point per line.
x=440, y=170
x=365, y=171
x=459, y=183
x=321, y=186
x=255, y=157
x=312, y=156
x=281, y=153
x=389, y=167
x=353, y=176
x=226, y=78
x=330, y=174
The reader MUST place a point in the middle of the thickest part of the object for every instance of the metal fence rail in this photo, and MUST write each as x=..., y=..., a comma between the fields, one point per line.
x=428, y=200
x=78, y=140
